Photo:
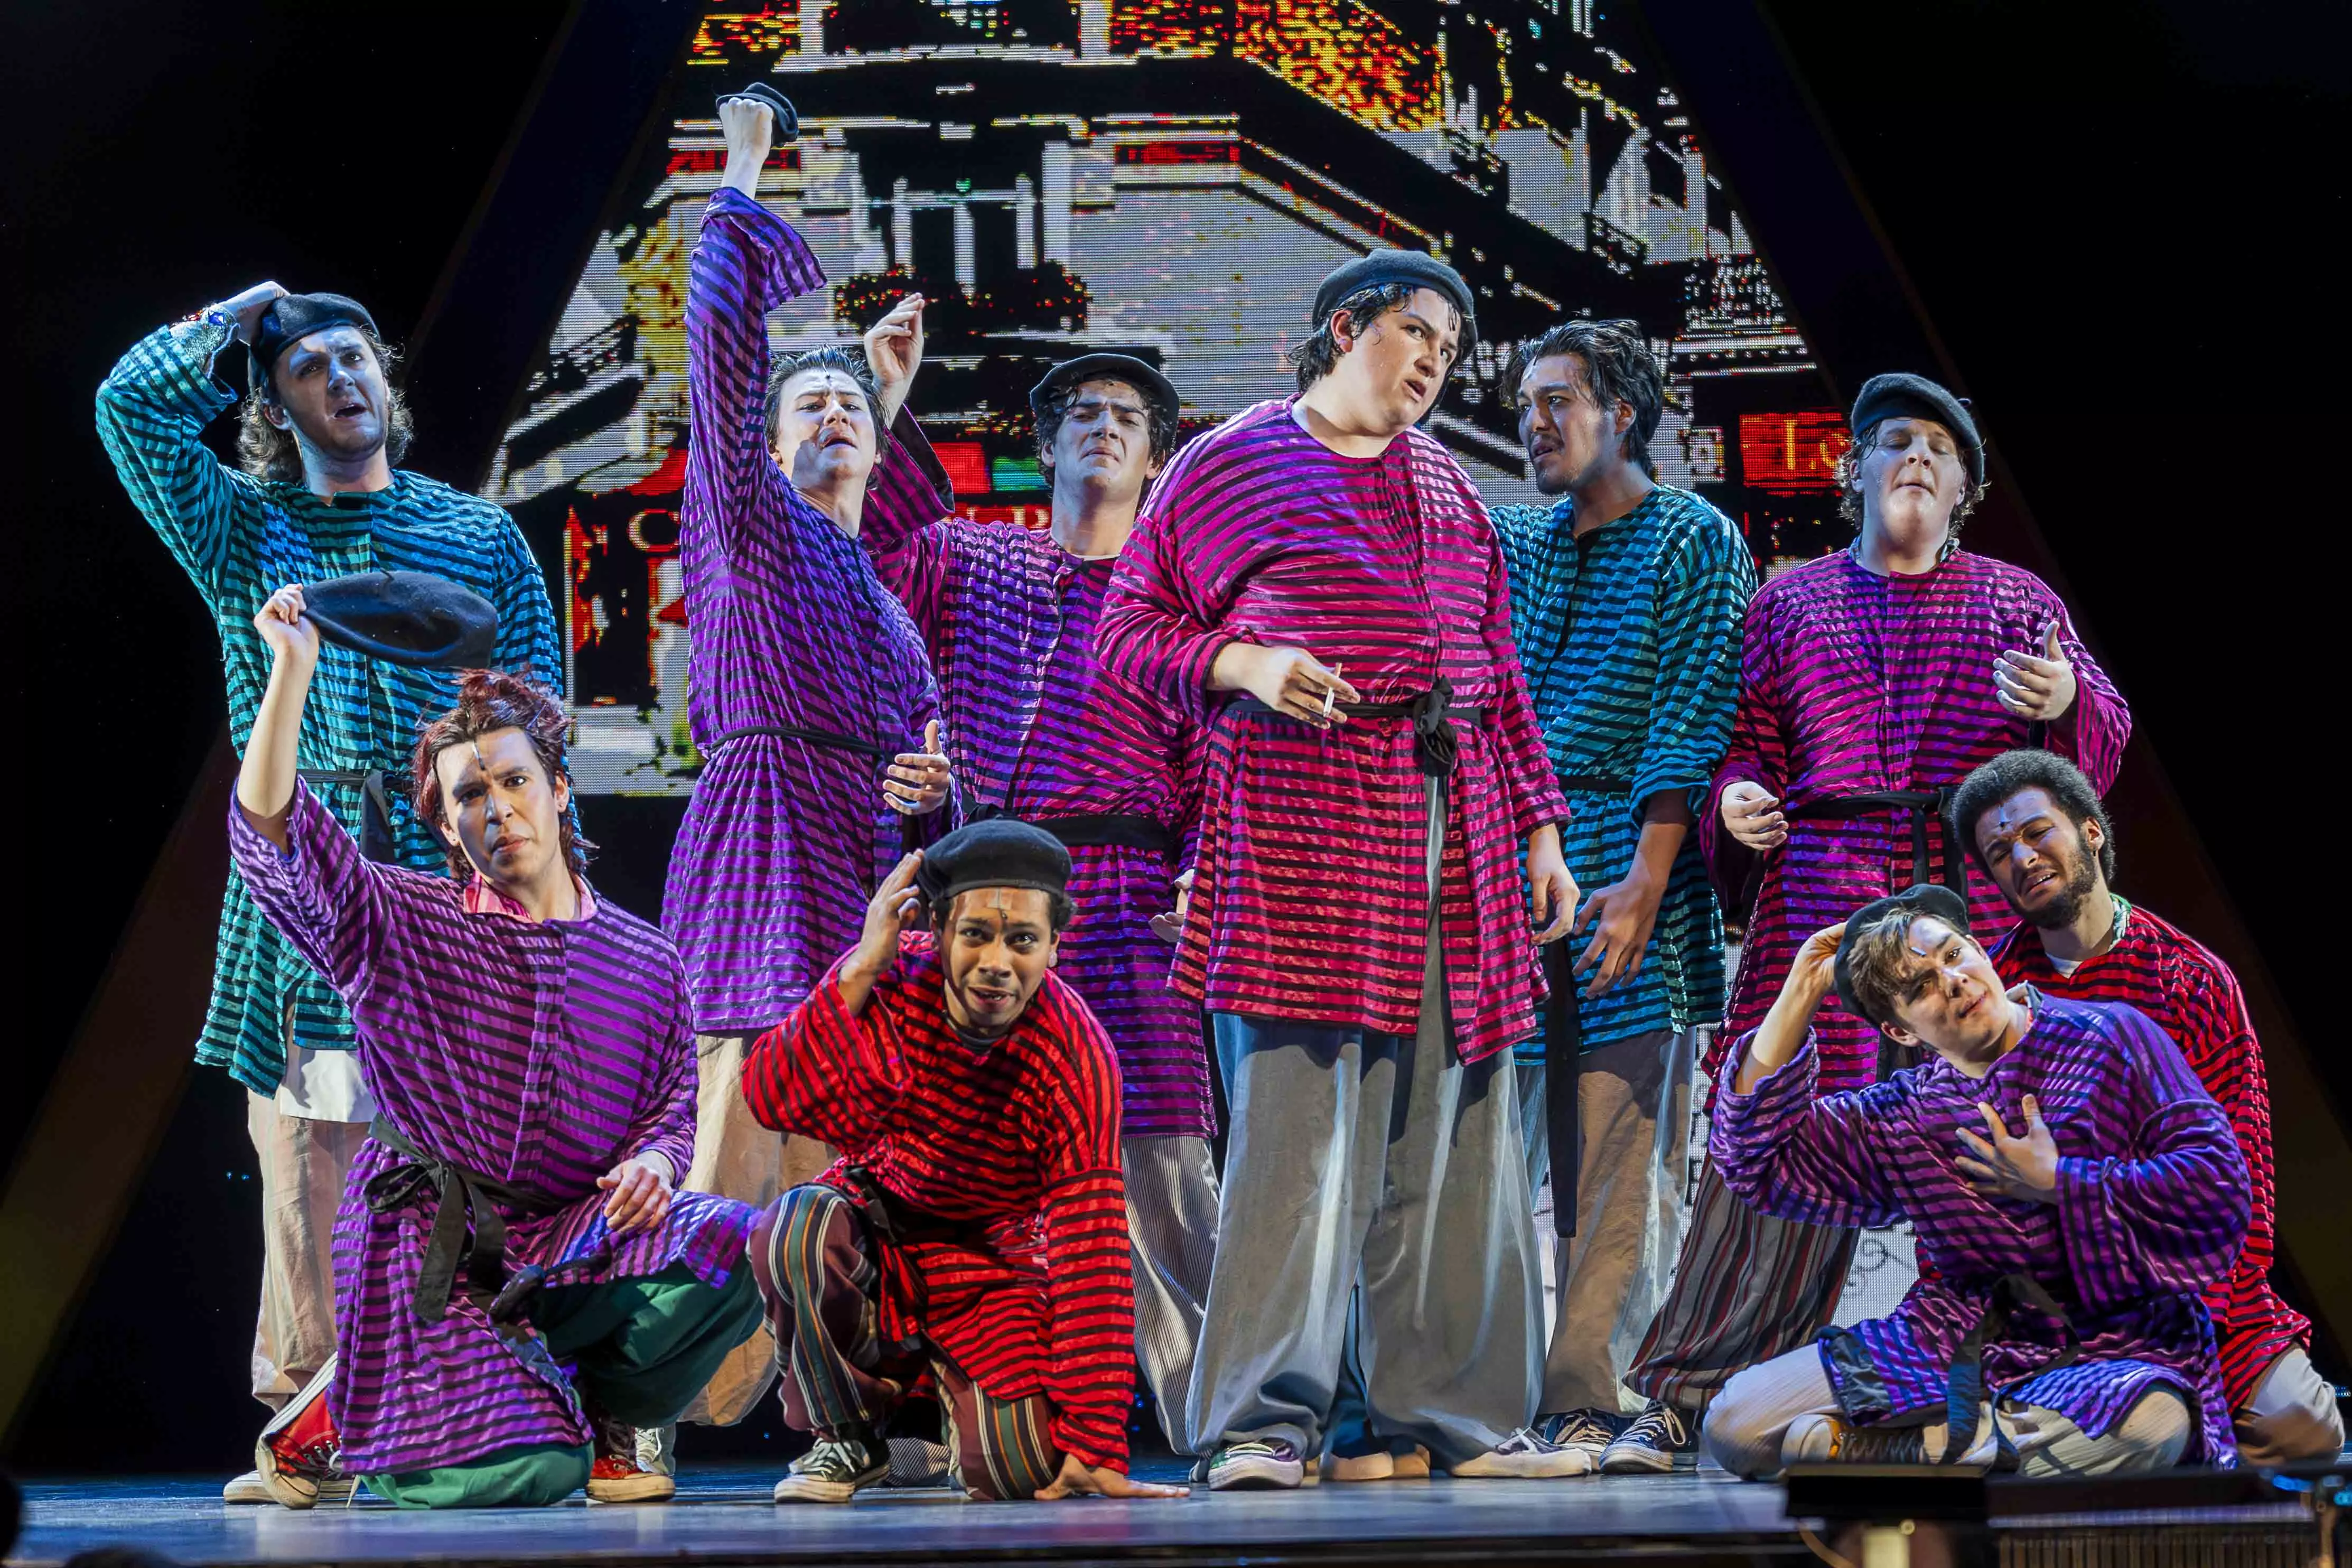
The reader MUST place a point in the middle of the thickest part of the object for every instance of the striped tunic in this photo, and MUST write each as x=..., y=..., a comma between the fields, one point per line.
x=539, y=1055
x=1007, y=1239
x=2174, y=979
x=788, y=624
x=1851, y=683
x=1630, y=636
x=1035, y=729
x=240, y=540
x=2152, y=1202
x=1311, y=899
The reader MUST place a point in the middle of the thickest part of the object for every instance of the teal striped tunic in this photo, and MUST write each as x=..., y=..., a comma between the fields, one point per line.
x=1630, y=639
x=240, y=540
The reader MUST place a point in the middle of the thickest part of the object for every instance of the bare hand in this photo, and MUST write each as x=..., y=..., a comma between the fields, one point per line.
x=1553, y=889
x=291, y=635
x=248, y=307
x=1170, y=927
x=640, y=1196
x=893, y=351
x=1751, y=814
x=2010, y=1167
x=1290, y=680
x=917, y=782
x=750, y=129
x=2037, y=688
x=1814, y=969
x=894, y=904
x=1079, y=1478
x=1620, y=917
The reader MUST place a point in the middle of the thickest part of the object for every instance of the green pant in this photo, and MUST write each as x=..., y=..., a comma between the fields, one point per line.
x=642, y=1349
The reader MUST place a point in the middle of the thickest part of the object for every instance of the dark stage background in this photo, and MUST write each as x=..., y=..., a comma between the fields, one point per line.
x=2122, y=219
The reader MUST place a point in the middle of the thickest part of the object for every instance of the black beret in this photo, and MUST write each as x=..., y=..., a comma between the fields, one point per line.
x=788, y=119
x=411, y=618
x=1931, y=899
x=1378, y=268
x=1070, y=373
x=292, y=319
x=1001, y=852
x=1902, y=395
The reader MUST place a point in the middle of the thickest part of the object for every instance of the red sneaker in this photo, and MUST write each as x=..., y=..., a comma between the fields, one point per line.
x=298, y=1453
x=616, y=1476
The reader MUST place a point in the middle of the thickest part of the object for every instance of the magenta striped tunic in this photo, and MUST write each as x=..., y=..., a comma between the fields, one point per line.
x=539, y=1055
x=787, y=625
x=1035, y=729
x=1310, y=900
x=1853, y=682
x=2152, y=1204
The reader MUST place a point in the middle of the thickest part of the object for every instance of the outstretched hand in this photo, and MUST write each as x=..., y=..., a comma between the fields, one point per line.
x=2011, y=1167
x=2037, y=688
x=1079, y=1478
x=894, y=351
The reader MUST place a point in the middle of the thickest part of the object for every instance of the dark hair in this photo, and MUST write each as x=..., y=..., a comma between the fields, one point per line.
x=1055, y=407
x=491, y=700
x=267, y=452
x=1618, y=368
x=2029, y=768
x=1849, y=484
x=832, y=356
x=1060, y=909
x=1879, y=960
x=1317, y=356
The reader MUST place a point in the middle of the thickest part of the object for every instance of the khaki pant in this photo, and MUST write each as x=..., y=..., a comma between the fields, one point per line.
x=737, y=1158
x=303, y=1164
x=1632, y=1110
x=2292, y=1415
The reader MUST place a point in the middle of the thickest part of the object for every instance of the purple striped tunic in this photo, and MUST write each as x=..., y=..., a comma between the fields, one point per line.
x=1311, y=899
x=1035, y=729
x=2152, y=1202
x=1852, y=682
x=539, y=1055
x=787, y=625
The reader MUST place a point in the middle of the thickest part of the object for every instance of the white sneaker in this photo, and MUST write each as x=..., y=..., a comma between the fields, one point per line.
x=248, y=1488
x=1256, y=1466
x=297, y=1457
x=657, y=1449
x=836, y=1470
x=1524, y=1456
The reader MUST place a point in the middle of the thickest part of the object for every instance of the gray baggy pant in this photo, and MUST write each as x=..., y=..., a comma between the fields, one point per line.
x=1352, y=1152
x=1171, y=1231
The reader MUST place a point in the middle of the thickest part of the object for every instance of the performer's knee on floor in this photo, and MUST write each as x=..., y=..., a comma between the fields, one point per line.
x=1744, y=1427
x=2153, y=1433
x=788, y=1242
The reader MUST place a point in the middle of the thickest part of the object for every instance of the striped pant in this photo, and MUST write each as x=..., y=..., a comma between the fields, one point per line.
x=813, y=1258
x=1747, y=1288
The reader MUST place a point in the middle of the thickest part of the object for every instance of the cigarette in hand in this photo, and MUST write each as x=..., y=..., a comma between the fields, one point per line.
x=1331, y=693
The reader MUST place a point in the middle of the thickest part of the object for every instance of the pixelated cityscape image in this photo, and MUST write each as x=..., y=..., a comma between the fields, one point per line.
x=1169, y=179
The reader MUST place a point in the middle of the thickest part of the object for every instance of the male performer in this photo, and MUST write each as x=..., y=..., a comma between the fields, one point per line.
x=530, y=1051
x=1871, y=681
x=1627, y=598
x=1036, y=733
x=2071, y=1181
x=323, y=424
x=808, y=687
x=974, y=1229
x=2035, y=824
x=1357, y=925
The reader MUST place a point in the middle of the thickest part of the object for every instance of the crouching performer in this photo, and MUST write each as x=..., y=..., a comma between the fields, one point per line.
x=974, y=1231
x=2074, y=1189
x=531, y=1053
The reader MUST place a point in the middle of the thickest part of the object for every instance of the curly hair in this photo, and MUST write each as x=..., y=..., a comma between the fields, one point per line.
x=1057, y=407
x=1618, y=368
x=267, y=452
x=1849, y=484
x=1317, y=356
x=489, y=700
x=2029, y=768
x=850, y=362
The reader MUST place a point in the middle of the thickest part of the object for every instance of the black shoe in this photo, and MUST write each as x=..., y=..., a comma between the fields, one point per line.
x=836, y=1470
x=1660, y=1439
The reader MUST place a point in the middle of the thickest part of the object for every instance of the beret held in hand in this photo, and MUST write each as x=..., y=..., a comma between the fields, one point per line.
x=411, y=618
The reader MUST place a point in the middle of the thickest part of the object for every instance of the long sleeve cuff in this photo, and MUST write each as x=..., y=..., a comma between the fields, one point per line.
x=1765, y=1113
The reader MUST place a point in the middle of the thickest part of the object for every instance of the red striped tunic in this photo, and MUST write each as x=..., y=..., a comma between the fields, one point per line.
x=2176, y=979
x=1310, y=900
x=1014, y=1258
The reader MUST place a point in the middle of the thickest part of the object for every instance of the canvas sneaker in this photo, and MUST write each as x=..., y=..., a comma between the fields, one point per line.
x=1524, y=1456
x=836, y=1470
x=298, y=1457
x=1256, y=1466
x=1818, y=1439
x=251, y=1488
x=1660, y=1439
x=1590, y=1430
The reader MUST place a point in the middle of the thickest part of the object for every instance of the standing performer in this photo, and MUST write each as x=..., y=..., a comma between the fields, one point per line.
x=323, y=424
x=2036, y=826
x=1036, y=733
x=530, y=1050
x=1357, y=926
x=974, y=1229
x=1627, y=598
x=808, y=687
x=1871, y=681
x=2061, y=1329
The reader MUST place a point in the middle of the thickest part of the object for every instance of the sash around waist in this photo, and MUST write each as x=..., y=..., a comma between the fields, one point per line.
x=801, y=733
x=1093, y=830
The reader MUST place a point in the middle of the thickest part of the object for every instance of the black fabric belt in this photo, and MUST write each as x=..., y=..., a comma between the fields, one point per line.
x=1093, y=830
x=375, y=807
x=813, y=737
x=468, y=1235
x=1435, y=745
x=1595, y=783
x=1924, y=806
x=1563, y=1063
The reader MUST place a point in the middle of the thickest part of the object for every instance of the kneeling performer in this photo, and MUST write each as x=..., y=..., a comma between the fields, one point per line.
x=531, y=1052
x=2073, y=1252
x=975, y=1227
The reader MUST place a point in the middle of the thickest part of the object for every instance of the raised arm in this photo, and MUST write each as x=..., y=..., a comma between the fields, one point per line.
x=527, y=639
